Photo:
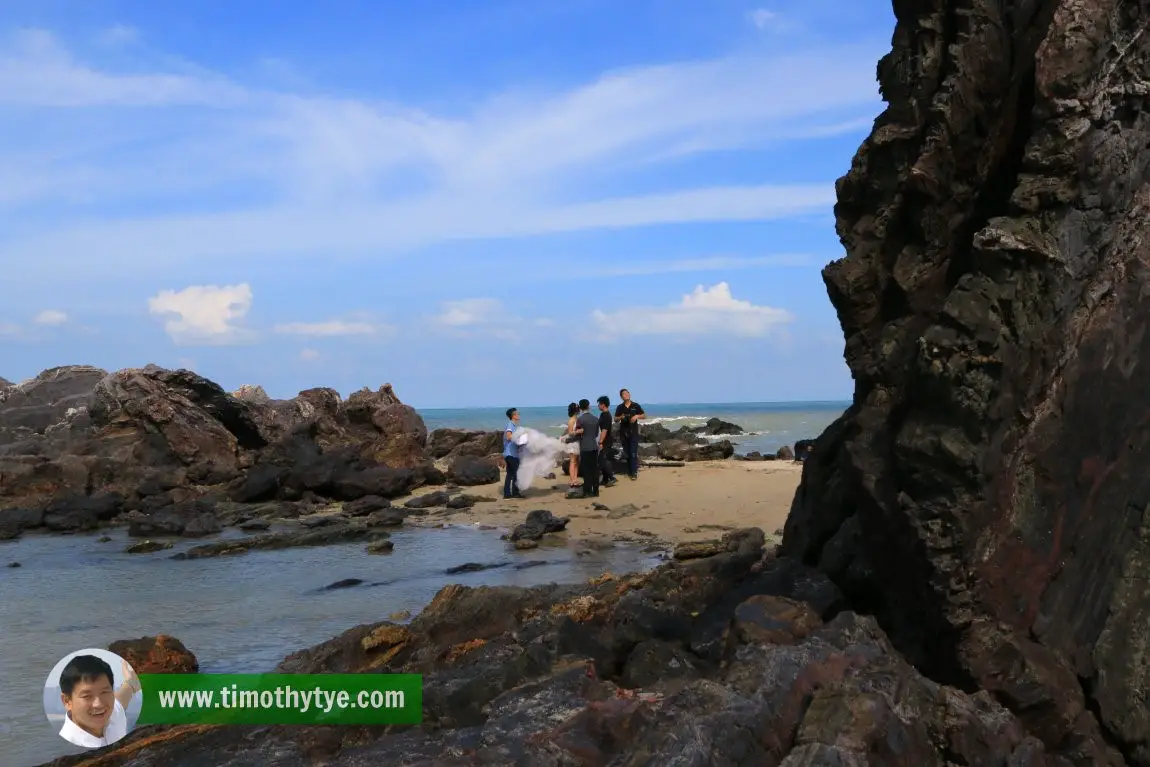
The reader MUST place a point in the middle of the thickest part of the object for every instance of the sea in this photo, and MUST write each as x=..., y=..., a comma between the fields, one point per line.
x=245, y=613
x=767, y=425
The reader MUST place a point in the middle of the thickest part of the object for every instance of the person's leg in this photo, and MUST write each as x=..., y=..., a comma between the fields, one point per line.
x=593, y=472
x=511, y=482
x=588, y=468
x=633, y=456
x=607, y=472
x=573, y=470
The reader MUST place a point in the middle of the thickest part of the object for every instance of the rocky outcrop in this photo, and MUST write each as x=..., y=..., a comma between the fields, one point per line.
x=985, y=495
x=160, y=654
x=83, y=447
x=30, y=408
x=733, y=659
x=5, y=383
x=677, y=450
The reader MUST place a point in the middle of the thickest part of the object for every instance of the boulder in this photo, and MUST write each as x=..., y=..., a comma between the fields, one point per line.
x=445, y=443
x=539, y=523
x=677, y=450
x=160, y=654
x=716, y=427
x=14, y=521
x=469, y=471
x=985, y=494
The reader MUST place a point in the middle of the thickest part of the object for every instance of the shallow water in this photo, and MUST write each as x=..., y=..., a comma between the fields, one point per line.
x=237, y=614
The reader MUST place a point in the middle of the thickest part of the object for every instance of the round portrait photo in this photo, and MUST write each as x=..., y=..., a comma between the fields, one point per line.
x=92, y=698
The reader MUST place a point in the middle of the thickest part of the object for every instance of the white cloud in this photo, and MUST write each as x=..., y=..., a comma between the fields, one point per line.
x=703, y=312
x=51, y=318
x=336, y=173
x=470, y=312
x=762, y=18
x=203, y=314
x=481, y=317
x=308, y=355
x=118, y=34
x=332, y=328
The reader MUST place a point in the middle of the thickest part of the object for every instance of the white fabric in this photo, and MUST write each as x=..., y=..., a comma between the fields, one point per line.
x=537, y=457
x=117, y=728
x=522, y=439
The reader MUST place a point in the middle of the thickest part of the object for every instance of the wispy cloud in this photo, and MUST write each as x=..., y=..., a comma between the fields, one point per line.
x=51, y=318
x=644, y=268
x=333, y=328
x=364, y=177
x=703, y=312
x=118, y=34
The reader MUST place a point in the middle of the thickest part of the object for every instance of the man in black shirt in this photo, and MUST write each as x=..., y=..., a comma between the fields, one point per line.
x=605, y=441
x=587, y=427
x=628, y=414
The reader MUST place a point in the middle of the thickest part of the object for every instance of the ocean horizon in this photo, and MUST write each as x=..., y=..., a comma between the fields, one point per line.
x=768, y=425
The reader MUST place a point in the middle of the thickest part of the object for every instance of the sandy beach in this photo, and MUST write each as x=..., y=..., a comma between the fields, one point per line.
x=697, y=501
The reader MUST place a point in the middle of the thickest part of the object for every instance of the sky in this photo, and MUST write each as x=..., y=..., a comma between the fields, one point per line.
x=512, y=202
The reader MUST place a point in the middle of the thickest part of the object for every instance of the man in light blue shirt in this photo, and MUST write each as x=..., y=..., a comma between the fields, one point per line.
x=511, y=455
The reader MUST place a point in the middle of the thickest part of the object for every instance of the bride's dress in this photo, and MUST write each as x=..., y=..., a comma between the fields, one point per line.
x=538, y=456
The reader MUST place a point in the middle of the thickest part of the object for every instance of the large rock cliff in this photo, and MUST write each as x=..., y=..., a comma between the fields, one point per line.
x=985, y=495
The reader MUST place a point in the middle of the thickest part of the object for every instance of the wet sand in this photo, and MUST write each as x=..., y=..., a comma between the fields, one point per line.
x=697, y=501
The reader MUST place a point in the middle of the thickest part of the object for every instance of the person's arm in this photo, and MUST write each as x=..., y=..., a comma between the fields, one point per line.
x=619, y=414
x=130, y=686
x=640, y=415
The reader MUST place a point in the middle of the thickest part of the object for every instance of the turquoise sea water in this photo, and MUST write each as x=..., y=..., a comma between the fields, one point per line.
x=769, y=425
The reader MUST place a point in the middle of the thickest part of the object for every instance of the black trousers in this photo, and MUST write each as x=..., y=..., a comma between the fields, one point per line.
x=607, y=472
x=589, y=468
x=511, y=482
x=631, y=450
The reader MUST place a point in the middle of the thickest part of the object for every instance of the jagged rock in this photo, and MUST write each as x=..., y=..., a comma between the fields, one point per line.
x=539, y=523
x=693, y=664
x=5, y=383
x=448, y=443
x=985, y=493
x=45, y=400
x=677, y=450
x=161, y=654
x=468, y=471
x=252, y=393
x=785, y=453
x=718, y=427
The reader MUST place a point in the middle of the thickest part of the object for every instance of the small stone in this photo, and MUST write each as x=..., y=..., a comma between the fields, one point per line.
x=380, y=547
x=526, y=543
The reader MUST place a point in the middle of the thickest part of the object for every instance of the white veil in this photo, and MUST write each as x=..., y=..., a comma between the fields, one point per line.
x=537, y=456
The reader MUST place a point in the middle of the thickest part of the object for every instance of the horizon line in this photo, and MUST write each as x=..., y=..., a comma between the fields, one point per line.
x=827, y=402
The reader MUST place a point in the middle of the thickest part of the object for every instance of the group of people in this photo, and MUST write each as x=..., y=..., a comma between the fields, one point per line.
x=589, y=439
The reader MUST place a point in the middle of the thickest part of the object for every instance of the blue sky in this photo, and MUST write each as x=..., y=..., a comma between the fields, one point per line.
x=491, y=203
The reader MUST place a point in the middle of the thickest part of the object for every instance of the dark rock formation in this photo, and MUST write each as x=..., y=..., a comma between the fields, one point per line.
x=734, y=659
x=677, y=450
x=468, y=471
x=5, y=383
x=716, y=427
x=323, y=536
x=428, y=500
x=79, y=446
x=985, y=496
x=448, y=443
x=538, y=524
x=160, y=654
